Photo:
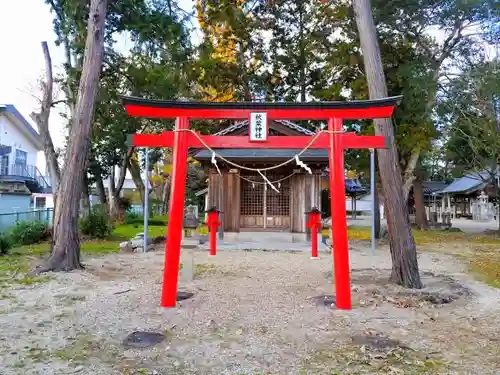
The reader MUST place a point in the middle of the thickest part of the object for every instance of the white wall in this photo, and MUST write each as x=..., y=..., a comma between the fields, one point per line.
x=363, y=205
x=10, y=135
x=49, y=200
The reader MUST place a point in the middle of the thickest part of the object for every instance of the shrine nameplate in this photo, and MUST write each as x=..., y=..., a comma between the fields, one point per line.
x=257, y=130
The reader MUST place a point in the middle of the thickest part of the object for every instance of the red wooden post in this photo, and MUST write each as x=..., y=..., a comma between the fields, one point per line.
x=213, y=223
x=339, y=219
x=314, y=224
x=213, y=241
x=176, y=215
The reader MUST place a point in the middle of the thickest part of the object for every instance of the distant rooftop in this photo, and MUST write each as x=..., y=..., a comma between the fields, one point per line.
x=470, y=182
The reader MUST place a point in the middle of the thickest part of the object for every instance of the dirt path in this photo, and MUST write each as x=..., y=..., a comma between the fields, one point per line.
x=252, y=313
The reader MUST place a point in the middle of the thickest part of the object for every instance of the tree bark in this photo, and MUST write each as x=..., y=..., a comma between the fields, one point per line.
x=135, y=172
x=418, y=195
x=42, y=121
x=409, y=174
x=66, y=250
x=115, y=187
x=101, y=191
x=376, y=202
x=84, y=198
x=403, y=250
x=165, y=197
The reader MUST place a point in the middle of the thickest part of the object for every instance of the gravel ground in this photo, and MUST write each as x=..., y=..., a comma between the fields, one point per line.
x=253, y=312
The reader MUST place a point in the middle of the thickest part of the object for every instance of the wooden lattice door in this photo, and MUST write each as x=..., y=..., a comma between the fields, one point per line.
x=277, y=205
x=261, y=206
x=252, y=202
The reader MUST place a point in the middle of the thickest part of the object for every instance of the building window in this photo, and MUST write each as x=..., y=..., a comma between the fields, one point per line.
x=21, y=157
x=40, y=202
x=4, y=165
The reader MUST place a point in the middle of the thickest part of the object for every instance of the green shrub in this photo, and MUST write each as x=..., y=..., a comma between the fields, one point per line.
x=29, y=232
x=132, y=217
x=157, y=222
x=124, y=203
x=97, y=224
x=136, y=219
x=5, y=244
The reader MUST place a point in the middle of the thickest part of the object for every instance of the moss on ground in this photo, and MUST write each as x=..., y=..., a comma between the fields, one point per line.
x=361, y=359
x=204, y=269
x=85, y=347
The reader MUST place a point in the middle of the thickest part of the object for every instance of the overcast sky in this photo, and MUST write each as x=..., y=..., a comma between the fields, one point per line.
x=25, y=24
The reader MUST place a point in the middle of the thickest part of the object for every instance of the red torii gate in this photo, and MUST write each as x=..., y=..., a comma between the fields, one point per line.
x=181, y=139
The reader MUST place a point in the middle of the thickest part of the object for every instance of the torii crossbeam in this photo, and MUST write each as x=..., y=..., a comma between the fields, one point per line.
x=335, y=141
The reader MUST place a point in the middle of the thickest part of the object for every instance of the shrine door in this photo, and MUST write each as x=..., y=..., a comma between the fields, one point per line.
x=261, y=206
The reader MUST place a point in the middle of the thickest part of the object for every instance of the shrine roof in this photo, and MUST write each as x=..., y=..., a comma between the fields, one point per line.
x=245, y=123
x=471, y=182
x=262, y=153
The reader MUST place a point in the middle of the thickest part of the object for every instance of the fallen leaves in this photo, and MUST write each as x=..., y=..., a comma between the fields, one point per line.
x=369, y=359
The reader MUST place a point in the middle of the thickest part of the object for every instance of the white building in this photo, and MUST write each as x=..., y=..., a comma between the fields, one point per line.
x=22, y=186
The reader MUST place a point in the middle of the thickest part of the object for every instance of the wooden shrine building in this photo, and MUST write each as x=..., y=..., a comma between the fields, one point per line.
x=246, y=201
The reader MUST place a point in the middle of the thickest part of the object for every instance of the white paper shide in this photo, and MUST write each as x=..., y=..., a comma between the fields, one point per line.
x=258, y=127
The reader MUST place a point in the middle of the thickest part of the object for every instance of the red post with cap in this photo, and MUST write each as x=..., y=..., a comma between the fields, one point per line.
x=213, y=223
x=314, y=223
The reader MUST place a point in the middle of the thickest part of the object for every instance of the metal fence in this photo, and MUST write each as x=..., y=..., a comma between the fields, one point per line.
x=154, y=209
x=8, y=220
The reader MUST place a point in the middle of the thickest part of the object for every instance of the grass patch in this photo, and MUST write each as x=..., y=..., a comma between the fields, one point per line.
x=485, y=265
x=479, y=250
x=31, y=280
x=20, y=260
x=425, y=237
x=127, y=231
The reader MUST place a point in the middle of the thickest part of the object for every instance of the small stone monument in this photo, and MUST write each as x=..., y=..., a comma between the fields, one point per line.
x=189, y=243
x=190, y=221
x=187, y=259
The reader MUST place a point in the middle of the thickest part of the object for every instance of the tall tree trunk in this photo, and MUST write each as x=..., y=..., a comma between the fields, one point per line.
x=418, y=195
x=409, y=174
x=66, y=245
x=165, y=197
x=115, y=186
x=403, y=250
x=114, y=196
x=42, y=121
x=84, y=198
x=247, y=92
x=494, y=176
x=376, y=202
x=135, y=172
x=101, y=191
x=302, y=56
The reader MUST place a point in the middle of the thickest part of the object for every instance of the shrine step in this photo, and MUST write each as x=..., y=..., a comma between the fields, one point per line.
x=266, y=237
